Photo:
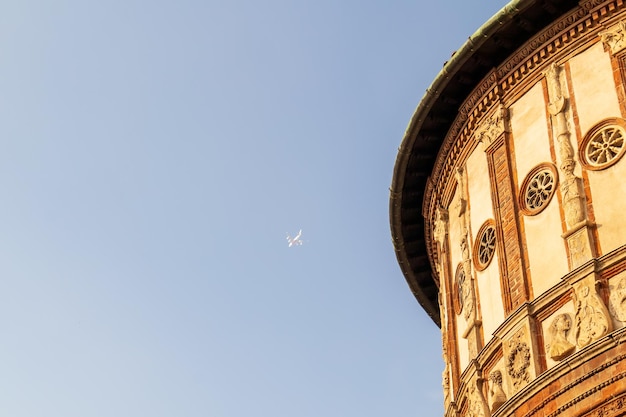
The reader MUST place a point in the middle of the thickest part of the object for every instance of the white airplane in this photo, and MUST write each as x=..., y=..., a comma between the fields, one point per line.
x=295, y=240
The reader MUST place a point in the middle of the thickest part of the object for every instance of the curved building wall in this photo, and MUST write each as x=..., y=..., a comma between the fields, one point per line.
x=526, y=223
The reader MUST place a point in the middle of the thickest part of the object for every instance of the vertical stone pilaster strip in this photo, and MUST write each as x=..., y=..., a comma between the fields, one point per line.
x=441, y=235
x=470, y=313
x=450, y=375
x=578, y=236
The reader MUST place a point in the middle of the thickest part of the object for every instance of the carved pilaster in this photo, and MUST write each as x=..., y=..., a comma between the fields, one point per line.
x=614, y=38
x=441, y=227
x=577, y=235
x=468, y=286
x=446, y=375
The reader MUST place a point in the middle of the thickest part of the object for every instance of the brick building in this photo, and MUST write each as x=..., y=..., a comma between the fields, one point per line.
x=508, y=212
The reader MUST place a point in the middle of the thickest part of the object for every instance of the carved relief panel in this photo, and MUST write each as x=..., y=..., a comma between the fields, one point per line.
x=617, y=299
x=560, y=342
x=520, y=359
x=497, y=397
x=477, y=405
x=591, y=318
x=614, y=38
x=493, y=126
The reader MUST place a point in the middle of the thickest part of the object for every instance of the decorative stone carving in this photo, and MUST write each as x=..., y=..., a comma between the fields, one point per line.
x=492, y=127
x=465, y=285
x=445, y=383
x=615, y=37
x=518, y=362
x=441, y=225
x=477, y=404
x=571, y=189
x=617, y=300
x=445, y=375
x=462, y=204
x=578, y=245
x=440, y=233
x=560, y=347
x=458, y=285
x=497, y=397
x=592, y=317
x=571, y=186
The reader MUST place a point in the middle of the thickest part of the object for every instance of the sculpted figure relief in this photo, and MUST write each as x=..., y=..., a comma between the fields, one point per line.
x=496, y=393
x=440, y=232
x=617, y=300
x=466, y=285
x=592, y=319
x=441, y=225
x=572, y=196
x=560, y=347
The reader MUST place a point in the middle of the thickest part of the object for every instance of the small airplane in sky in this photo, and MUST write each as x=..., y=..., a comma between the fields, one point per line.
x=295, y=241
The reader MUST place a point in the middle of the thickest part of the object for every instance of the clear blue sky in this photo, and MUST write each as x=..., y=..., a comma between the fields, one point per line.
x=154, y=154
